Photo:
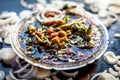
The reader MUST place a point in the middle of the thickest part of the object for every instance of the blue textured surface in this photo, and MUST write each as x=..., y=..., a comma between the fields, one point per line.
x=100, y=65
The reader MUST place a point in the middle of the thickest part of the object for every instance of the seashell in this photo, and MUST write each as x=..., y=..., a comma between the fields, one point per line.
x=7, y=55
x=103, y=76
x=116, y=67
x=114, y=73
x=2, y=75
x=7, y=39
x=25, y=13
x=110, y=57
x=41, y=73
x=72, y=74
x=114, y=8
x=117, y=35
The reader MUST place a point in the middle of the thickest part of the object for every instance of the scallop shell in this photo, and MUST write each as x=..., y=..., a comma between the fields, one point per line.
x=7, y=55
x=110, y=57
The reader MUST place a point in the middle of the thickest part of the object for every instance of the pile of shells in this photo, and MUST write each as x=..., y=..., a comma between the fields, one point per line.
x=111, y=73
x=108, y=11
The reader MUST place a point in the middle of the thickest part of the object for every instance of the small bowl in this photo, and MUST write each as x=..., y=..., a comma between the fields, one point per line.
x=16, y=47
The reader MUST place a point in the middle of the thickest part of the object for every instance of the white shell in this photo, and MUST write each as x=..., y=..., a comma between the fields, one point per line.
x=7, y=55
x=110, y=57
x=2, y=75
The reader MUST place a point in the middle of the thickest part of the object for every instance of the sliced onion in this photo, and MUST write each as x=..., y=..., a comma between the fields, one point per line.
x=69, y=74
x=13, y=76
x=27, y=75
x=42, y=18
x=16, y=64
x=22, y=69
x=2, y=75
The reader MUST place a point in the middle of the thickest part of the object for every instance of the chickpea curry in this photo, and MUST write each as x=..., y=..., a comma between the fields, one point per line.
x=60, y=41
